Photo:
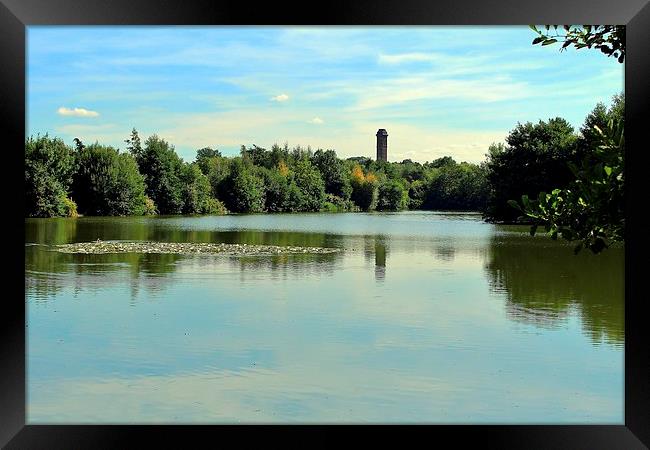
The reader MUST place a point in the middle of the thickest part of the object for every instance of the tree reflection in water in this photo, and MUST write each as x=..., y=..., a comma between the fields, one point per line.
x=48, y=271
x=544, y=282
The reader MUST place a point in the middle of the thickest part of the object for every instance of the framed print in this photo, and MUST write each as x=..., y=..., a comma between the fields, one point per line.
x=392, y=213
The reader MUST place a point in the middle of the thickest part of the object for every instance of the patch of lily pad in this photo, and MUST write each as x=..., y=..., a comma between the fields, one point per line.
x=185, y=248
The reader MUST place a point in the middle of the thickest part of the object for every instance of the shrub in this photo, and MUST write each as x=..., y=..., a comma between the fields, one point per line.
x=149, y=207
x=70, y=207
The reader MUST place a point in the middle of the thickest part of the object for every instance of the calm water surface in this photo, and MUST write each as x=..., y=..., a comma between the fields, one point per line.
x=423, y=317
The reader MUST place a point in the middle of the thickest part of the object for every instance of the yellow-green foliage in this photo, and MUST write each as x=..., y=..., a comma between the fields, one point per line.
x=69, y=207
x=364, y=189
x=149, y=207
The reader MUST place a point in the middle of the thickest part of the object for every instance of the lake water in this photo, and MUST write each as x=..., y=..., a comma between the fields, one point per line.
x=423, y=317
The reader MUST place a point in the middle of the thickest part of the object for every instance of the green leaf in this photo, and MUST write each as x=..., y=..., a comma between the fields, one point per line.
x=537, y=40
x=608, y=170
x=549, y=42
x=542, y=198
x=534, y=28
x=514, y=204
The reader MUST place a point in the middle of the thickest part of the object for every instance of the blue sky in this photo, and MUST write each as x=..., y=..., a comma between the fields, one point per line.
x=444, y=90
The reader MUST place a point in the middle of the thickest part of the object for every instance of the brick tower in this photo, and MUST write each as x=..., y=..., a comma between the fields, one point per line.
x=382, y=145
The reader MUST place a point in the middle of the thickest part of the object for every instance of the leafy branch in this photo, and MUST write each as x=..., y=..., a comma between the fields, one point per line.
x=609, y=39
x=590, y=210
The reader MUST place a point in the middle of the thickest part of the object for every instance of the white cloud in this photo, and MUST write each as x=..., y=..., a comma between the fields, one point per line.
x=317, y=120
x=280, y=98
x=77, y=112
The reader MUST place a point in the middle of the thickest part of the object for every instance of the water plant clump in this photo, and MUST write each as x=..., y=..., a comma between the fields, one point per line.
x=103, y=247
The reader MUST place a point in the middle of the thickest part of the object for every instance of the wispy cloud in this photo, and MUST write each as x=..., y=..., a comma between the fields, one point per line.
x=400, y=91
x=409, y=57
x=76, y=112
x=317, y=121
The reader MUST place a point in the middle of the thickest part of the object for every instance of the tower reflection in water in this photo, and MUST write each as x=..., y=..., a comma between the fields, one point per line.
x=380, y=260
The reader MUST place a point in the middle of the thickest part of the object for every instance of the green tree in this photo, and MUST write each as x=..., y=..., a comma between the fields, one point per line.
x=392, y=196
x=278, y=155
x=218, y=168
x=417, y=194
x=411, y=171
x=364, y=189
x=441, y=162
x=258, y=156
x=161, y=168
x=133, y=144
x=362, y=161
x=107, y=183
x=385, y=168
x=49, y=166
x=197, y=192
x=243, y=191
x=599, y=118
x=277, y=190
x=457, y=187
x=310, y=183
x=534, y=160
x=590, y=210
x=299, y=153
x=337, y=182
x=203, y=158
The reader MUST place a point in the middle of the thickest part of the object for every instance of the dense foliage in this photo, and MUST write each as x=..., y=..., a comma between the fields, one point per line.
x=151, y=178
x=534, y=159
x=590, y=209
x=107, y=183
x=49, y=166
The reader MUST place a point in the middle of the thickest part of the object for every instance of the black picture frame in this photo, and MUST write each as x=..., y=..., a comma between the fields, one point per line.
x=15, y=15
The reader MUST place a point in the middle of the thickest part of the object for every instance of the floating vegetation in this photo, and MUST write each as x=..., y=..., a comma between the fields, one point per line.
x=103, y=247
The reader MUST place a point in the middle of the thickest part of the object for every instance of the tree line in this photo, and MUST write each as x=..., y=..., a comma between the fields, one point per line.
x=150, y=178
